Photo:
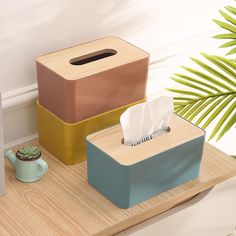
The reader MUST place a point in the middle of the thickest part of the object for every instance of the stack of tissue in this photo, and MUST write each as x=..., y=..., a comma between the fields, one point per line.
x=146, y=120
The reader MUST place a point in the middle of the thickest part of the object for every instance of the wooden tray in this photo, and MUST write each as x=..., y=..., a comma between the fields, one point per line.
x=62, y=203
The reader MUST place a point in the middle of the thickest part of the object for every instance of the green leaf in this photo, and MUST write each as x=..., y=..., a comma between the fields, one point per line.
x=194, y=108
x=228, y=25
x=191, y=85
x=202, y=102
x=231, y=9
x=223, y=118
x=228, y=125
x=228, y=17
x=228, y=62
x=206, y=77
x=213, y=86
x=183, y=99
x=208, y=85
x=210, y=109
x=232, y=51
x=217, y=111
x=225, y=26
x=180, y=91
x=228, y=44
x=178, y=110
x=178, y=107
x=202, y=107
x=180, y=103
x=212, y=70
x=224, y=68
x=185, y=109
x=225, y=36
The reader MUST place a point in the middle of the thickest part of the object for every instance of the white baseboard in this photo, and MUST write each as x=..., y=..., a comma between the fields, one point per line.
x=20, y=141
x=19, y=97
x=19, y=118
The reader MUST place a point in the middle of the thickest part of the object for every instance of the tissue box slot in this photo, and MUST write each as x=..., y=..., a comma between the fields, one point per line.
x=156, y=134
x=93, y=57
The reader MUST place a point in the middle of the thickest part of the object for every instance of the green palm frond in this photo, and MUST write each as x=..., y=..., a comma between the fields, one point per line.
x=210, y=93
x=228, y=24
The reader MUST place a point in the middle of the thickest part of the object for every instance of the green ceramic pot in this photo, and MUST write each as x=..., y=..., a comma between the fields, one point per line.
x=27, y=170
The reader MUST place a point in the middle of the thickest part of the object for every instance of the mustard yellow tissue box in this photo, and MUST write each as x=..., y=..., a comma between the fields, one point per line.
x=67, y=141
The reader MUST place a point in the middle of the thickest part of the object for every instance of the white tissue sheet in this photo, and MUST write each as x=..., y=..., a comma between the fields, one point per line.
x=146, y=119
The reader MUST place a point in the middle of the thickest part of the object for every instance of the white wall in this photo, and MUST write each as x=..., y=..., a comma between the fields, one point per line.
x=170, y=30
x=30, y=28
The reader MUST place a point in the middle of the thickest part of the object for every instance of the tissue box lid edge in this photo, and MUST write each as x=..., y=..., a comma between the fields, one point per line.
x=58, y=61
x=109, y=141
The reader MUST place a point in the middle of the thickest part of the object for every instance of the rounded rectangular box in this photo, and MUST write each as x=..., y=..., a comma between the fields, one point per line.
x=67, y=141
x=89, y=79
x=129, y=175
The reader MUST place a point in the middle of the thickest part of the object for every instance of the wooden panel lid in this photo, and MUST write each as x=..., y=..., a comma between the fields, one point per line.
x=92, y=57
x=109, y=141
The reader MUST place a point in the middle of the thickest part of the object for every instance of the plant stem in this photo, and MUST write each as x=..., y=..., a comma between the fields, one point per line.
x=206, y=97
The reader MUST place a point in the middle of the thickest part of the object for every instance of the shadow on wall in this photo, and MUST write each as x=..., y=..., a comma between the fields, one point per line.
x=31, y=28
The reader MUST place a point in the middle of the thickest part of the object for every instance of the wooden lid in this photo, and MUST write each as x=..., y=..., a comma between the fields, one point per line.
x=113, y=52
x=109, y=141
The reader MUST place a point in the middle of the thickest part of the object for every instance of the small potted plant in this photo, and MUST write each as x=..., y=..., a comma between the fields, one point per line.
x=28, y=153
x=28, y=163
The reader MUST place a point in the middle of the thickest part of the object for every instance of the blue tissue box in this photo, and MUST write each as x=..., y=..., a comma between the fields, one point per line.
x=129, y=175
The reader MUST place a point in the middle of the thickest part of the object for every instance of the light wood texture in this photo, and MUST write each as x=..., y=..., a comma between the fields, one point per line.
x=2, y=169
x=58, y=61
x=109, y=141
x=62, y=203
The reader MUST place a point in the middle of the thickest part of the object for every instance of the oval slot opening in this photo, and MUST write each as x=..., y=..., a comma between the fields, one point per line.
x=95, y=56
x=155, y=134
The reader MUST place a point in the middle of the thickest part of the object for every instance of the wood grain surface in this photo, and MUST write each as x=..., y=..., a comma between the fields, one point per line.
x=2, y=169
x=59, y=61
x=109, y=141
x=62, y=203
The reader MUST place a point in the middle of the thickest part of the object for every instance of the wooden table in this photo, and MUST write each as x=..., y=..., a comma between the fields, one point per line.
x=62, y=203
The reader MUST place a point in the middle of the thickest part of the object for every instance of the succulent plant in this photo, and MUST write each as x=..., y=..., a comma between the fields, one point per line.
x=28, y=153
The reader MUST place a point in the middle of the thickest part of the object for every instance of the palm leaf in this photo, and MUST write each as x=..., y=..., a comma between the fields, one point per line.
x=185, y=109
x=206, y=77
x=211, y=70
x=228, y=17
x=228, y=62
x=228, y=44
x=231, y=9
x=223, y=118
x=225, y=36
x=206, y=95
x=232, y=51
x=225, y=26
x=192, y=85
x=210, y=108
x=208, y=85
x=201, y=107
x=217, y=111
x=186, y=92
x=223, y=67
x=210, y=93
x=228, y=24
x=228, y=125
x=194, y=109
